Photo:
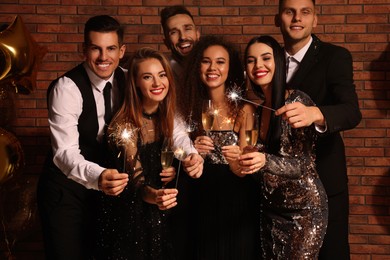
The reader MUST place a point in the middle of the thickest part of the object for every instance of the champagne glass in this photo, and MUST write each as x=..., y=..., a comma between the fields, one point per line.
x=166, y=154
x=208, y=115
x=251, y=130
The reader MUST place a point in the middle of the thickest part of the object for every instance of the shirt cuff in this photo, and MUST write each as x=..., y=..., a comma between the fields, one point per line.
x=321, y=128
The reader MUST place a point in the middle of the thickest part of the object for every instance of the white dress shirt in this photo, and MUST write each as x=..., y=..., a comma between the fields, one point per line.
x=293, y=61
x=65, y=107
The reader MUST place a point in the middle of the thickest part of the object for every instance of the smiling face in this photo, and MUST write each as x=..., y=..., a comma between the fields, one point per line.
x=214, y=67
x=260, y=64
x=296, y=20
x=181, y=34
x=153, y=82
x=103, y=53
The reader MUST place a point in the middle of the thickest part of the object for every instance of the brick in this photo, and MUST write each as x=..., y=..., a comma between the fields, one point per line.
x=332, y=19
x=376, y=249
x=242, y=20
x=96, y=10
x=376, y=123
x=368, y=171
x=138, y=11
x=367, y=37
x=380, y=220
x=123, y=2
x=376, y=9
x=209, y=20
x=383, y=161
x=358, y=220
x=223, y=11
x=16, y=9
x=221, y=30
x=375, y=180
x=345, y=28
x=244, y=2
x=366, y=19
x=341, y=9
x=363, y=210
x=55, y=9
x=365, y=152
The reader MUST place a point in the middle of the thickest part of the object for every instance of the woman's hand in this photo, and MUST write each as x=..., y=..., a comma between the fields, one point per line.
x=251, y=162
x=163, y=198
x=203, y=144
x=166, y=198
x=193, y=165
x=167, y=175
x=232, y=154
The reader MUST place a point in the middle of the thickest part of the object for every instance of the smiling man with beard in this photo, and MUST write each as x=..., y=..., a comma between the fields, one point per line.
x=180, y=35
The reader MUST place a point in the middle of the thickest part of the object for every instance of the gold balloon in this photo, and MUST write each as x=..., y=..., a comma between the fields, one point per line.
x=19, y=55
x=11, y=156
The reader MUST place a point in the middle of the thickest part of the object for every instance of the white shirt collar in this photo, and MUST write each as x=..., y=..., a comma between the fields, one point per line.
x=301, y=53
x=96, y=81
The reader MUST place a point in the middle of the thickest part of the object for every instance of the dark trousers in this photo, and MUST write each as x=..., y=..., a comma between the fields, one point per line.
x=67, y=211
x=336, y=245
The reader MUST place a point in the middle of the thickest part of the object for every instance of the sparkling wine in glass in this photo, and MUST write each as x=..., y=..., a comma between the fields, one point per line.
x=208, y=115
x=251, y=130
x=166, y=154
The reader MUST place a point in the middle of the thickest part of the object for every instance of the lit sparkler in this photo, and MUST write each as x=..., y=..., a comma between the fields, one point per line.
x=123, y=135
x=180, y=154
x=235, y=95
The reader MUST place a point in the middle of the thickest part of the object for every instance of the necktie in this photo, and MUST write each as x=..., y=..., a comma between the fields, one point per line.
x=107, y=103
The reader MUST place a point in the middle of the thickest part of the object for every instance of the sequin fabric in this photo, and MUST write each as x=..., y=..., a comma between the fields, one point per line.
x=220, y=138
x=128, y=227
x=294, y=207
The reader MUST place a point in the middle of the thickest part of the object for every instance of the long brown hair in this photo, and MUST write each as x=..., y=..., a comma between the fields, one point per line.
x=131, y=109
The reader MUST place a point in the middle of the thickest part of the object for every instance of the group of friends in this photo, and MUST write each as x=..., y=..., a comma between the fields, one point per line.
x=103, y=195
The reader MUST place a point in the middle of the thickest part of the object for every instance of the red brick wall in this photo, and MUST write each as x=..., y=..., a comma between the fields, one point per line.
x=362, y=26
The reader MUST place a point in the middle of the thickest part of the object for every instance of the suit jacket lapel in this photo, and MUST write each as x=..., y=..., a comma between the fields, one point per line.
x=307, y=63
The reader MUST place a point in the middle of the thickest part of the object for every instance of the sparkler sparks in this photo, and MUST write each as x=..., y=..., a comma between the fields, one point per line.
x=235, y=95
x=180, y=154
x=123, y=134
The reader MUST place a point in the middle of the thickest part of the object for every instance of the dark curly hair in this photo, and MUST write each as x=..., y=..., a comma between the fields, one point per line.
x=192, y=91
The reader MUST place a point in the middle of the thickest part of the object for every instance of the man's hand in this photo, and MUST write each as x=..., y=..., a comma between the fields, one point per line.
x=299, y=115
x=251, y=162
x=111, y=182
x=193, y=165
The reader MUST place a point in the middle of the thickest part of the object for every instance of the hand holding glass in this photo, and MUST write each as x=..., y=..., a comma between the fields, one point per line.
x=251, y=130
x=166, y=155
x=207, y=115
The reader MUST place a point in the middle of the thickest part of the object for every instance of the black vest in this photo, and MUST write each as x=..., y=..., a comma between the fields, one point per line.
x=88, y=125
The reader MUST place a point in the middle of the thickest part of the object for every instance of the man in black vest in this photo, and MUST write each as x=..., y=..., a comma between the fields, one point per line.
x=80, y=105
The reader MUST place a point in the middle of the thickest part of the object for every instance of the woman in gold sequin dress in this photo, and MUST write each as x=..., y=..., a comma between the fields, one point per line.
x=226, y=223
x=294, y=203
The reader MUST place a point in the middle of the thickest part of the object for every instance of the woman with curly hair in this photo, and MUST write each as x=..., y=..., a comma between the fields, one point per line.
x=225, y=213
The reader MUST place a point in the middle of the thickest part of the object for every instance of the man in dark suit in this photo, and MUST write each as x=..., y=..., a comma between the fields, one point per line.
x=324, y=71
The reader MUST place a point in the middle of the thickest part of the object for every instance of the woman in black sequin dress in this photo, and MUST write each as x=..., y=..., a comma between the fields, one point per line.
x=294, y=203
x=226, y=222
x=133, y=224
